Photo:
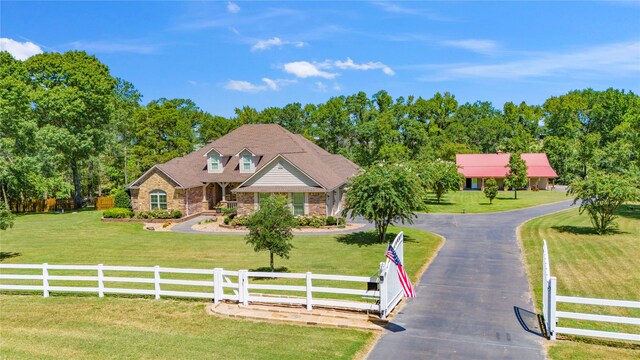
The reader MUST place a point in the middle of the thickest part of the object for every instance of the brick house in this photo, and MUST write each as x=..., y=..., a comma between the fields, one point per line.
x=476, y=168
x=239, y=168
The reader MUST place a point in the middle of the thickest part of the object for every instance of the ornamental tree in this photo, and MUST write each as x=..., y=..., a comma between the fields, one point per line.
x=442, y=177
x=6, y=217
x=384, y=194
x=270, y=227
x=490, y=189
x=517, y=176
x=600, y=194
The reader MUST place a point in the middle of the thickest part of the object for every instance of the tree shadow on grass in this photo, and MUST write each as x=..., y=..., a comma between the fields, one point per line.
x=8, y=255
x=283, y=269
x=367, y=238
x=581, y=230
x=629, y=211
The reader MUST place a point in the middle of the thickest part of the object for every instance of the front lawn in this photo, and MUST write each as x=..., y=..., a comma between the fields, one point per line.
x=588, y=265
x=31, y=326
x=474, y=201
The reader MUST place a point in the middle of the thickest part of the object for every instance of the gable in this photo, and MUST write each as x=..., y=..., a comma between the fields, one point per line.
x=280, y=173
x=154, y=172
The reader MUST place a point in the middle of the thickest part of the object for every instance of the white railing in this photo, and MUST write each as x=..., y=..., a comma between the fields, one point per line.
x=551, y=314
x=390, y=288
x=213, y=287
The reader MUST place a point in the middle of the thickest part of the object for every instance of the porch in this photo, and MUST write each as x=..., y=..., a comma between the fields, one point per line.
x=218, y=195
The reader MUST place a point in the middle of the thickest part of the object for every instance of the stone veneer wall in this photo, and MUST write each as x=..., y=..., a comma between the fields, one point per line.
x=245, y=203
x=195, y=200
x=140, y=200
x=317, y=204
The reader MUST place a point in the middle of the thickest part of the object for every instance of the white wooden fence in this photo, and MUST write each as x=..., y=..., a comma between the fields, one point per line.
x=551, y=314
x=379, y=293
x=390, y=288
x=242, y=290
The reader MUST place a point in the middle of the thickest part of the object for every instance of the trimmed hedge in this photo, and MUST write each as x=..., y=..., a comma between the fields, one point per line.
x=117, y=213
x=121, y=199
x=159, y=214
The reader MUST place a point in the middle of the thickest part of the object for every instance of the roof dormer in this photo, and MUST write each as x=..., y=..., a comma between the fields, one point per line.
x=247, y=161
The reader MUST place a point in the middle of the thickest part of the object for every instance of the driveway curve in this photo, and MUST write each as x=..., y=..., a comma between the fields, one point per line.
x=473, y=302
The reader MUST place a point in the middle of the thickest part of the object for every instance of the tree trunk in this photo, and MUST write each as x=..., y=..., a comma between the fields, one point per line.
x=272, y=270
x=4, y=196
x=76, y=185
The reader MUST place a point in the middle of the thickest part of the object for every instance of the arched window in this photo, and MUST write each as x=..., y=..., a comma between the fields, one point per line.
x=158, y=199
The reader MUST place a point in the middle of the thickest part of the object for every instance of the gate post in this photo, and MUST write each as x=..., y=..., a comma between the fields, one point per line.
x=218, y=293
x=552, y=308
x=383, y=291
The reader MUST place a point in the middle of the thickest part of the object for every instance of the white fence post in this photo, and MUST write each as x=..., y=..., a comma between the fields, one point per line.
x=45, y=280
x=100, y=281
x=156, y=281
x=552, y=308
x=309, y=297
x=383, y=290
x=218, y=292
x=243, y=291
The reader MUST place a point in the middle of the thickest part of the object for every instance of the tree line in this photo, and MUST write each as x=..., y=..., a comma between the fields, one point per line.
x=68, y=128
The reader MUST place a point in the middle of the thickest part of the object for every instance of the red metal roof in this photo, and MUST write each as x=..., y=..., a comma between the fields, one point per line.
x=493, y=165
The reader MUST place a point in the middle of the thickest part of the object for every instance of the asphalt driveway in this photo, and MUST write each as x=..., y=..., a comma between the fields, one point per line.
x=473, y=302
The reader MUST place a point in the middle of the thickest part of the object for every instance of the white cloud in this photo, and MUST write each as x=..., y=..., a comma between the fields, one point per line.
x=350, y=65
x=394, y=8
x=475, y=45
x=305, y=69
x=19, y=50
x=276, y=41
x=135, y=47
x=321, y=87
x=233, y=7
x=269, y=84
x=622, y=59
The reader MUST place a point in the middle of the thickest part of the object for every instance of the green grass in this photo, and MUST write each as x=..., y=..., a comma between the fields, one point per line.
x=588, y=265
x=31, y=326
x=473, y=201
x=91, y=328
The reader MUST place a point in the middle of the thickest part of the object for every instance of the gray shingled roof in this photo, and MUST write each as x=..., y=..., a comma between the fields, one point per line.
x=268, y=141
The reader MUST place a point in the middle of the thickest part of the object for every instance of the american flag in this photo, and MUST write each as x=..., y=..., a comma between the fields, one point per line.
x=407, y=288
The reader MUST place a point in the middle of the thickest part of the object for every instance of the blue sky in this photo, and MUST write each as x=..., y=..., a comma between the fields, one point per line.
x=225, y=55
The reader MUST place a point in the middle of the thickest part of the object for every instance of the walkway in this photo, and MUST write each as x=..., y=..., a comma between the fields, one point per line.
x=468, y=298
x=185, y=228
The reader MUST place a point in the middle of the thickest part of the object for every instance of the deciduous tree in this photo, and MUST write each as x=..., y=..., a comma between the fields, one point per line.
x=385, y=194
x=442, y=176
x=270, y=228
x=600, y=194
x=491, y=189
x=517, y=175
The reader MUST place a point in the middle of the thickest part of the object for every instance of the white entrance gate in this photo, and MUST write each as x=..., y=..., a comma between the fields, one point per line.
x=390, y=288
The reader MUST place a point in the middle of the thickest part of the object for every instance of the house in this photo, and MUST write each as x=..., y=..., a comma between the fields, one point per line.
x=478, y=167
x=236, y=170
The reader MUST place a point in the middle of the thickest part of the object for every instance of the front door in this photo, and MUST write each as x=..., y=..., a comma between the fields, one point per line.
x=468, y=185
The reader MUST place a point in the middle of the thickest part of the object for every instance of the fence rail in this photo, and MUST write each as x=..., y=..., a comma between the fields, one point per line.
x=550, y=298
x=219, y=287
x=47, y=205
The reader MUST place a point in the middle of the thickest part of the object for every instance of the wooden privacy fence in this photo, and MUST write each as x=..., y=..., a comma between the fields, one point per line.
x=550, y=298
x=47, y=205
x=105, y=202
x=378, y=293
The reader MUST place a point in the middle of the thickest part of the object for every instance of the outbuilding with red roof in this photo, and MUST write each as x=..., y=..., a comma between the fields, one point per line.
x=476, y=168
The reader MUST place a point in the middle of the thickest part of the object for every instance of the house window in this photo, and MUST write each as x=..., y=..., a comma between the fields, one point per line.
x=298, y=203
x=158, y=199
x=214, y=163
x=246, y=162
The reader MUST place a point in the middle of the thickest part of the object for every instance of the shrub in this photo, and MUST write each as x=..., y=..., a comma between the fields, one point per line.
x=121, y=199
x=228, y=211
x=342, y=221
x=117, y=213
x=227, y=220
x=314, y=221
x=240, y=221
x=159, y=214
x=331, y=221
x=166, y=224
